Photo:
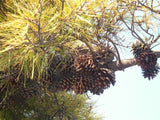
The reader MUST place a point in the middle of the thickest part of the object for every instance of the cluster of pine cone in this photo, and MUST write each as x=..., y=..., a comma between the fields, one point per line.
x=146, y=59
x=82, y=71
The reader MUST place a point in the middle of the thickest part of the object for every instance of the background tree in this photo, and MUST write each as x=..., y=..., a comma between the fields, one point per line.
x=72, y=45
x=61, y=106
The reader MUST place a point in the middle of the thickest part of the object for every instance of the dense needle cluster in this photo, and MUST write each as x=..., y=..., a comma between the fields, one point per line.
x=146, y=59
x=83, y=71
x=20, y=93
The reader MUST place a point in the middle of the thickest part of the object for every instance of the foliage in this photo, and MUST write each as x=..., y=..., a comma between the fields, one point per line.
x=62, y=106
x=33, y=32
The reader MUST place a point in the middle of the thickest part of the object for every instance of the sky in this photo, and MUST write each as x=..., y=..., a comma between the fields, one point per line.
x=132, y=98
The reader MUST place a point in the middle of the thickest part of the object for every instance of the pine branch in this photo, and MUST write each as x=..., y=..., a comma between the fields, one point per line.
x=126, y=63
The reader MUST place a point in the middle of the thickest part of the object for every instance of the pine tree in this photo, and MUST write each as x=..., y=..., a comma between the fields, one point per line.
x=51, y=47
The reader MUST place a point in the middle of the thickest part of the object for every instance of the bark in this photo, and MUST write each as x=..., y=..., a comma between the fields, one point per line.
x=126, y=63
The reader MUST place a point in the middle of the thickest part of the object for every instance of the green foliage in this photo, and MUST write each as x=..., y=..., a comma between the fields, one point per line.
x=66, y=106
x=62, y=106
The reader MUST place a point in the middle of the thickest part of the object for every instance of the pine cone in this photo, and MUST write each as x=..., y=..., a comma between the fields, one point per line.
x=81, y=72
x=104, y=79
x=139, y=48
x=151, y=72
x=85, y=64
x=147, y=60
x=105, y=55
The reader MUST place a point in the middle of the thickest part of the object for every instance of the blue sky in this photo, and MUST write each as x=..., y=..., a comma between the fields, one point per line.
x=132, y=97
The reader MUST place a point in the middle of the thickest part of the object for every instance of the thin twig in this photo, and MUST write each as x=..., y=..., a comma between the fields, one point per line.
x=132, y=28
x=3, y=99
x=155, y=45
x=30, y=41
x=62, y=1
x=118, y=55
x=39, y=23
x=146, y=31
x=151, y=9
x=35, y=33
x=31, y=21
x=155, y=40
x=132, y=31
x=56, y=99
